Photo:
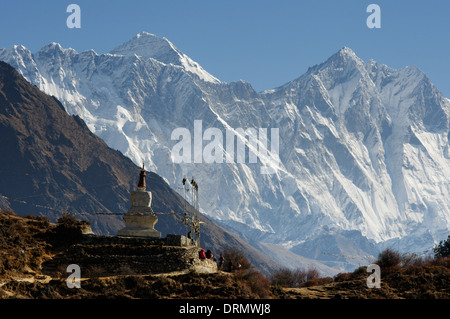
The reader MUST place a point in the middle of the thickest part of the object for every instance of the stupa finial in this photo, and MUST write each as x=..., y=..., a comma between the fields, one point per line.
x=141, y=184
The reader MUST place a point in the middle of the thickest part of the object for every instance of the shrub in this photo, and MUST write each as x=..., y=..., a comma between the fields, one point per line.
x=67, y=231
x=388, y=258
x=69, y=221
x=408, y=260
x=256, y=281
x=312, y=274
x=246, y=273
x=288, y=278
x=342, y=277
x=237, y=259
x=440, y=261
x=318, y=282
x=293, y=278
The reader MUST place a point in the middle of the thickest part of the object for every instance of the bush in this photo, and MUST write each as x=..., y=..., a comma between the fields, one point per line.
x=318, y=282
x=67, y=231
x=288, y=278
x=69, y=221
x=235, y=260
x=246, y=273
x=312, y=274
x=256, y=281
x=408, y=260
x=293, y=278
x=388, y=258
x=342, y=277
x=440, y=261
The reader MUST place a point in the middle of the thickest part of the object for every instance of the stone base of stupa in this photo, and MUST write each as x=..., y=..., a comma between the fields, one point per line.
x=139, y=226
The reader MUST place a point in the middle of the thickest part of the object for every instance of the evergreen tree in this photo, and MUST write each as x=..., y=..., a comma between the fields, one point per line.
x=443, y=249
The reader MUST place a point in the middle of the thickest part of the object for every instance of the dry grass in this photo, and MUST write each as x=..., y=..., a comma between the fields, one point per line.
x=21, y=250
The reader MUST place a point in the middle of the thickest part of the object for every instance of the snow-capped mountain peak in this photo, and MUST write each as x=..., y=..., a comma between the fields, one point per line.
x=345, y=60
x=346, y=52
x=51, y=47
x=147, y=45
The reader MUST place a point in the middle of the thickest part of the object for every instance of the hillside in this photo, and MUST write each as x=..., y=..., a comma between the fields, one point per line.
x=26, y=243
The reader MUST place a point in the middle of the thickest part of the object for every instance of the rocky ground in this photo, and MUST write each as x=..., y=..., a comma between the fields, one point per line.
x=28, y=242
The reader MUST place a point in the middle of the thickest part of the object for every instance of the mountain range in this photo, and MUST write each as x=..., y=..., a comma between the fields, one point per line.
x=364, y=158
x=52, y=164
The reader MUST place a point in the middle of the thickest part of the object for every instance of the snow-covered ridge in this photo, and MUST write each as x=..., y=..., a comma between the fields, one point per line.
x=364, y=149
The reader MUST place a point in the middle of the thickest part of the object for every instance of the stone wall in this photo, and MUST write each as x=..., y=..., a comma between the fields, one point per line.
x=114, y=255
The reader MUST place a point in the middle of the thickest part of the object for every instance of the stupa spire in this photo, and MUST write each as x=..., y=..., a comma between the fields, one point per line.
x=141, y=184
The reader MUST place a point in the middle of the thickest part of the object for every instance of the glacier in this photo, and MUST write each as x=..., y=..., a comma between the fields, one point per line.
x=364, y=158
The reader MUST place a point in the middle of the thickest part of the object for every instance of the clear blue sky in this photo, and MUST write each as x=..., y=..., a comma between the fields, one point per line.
x=266, y=43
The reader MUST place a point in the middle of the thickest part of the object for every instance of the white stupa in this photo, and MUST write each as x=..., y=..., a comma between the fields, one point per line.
x=140, y=219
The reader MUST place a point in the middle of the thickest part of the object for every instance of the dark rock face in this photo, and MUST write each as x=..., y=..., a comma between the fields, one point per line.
x=52, y=163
